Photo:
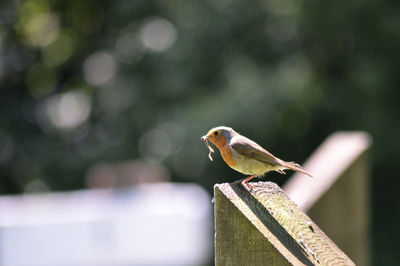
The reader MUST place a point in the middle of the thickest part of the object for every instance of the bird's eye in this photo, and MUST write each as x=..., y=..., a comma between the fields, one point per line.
x=216, y=133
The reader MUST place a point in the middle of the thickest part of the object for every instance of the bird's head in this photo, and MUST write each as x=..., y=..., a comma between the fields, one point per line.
x=219, y=136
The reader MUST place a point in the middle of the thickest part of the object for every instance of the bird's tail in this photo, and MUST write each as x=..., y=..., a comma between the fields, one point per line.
x=296, y=167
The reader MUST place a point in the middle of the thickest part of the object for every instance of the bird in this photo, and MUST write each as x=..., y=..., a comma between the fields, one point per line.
x=246, y=156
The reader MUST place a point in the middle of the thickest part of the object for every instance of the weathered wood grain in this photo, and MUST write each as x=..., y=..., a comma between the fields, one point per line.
x=262, y=226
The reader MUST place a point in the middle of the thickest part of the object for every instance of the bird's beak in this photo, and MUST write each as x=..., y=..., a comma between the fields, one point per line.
x=204, y=138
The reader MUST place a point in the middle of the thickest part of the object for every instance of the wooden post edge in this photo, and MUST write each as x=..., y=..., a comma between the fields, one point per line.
x=260, y=225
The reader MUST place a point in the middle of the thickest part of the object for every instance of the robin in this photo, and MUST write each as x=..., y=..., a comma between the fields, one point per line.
x=246, y=156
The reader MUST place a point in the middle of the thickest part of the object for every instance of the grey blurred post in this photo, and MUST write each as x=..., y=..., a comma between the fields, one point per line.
x=337, y=198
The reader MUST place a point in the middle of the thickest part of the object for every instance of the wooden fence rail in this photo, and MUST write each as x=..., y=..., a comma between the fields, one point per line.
x=262, y=226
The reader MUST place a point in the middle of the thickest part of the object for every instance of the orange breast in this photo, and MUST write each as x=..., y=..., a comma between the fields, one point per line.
x=224, y=149
x=227, y=155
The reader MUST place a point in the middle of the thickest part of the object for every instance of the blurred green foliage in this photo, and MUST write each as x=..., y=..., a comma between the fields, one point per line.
x=87, y=81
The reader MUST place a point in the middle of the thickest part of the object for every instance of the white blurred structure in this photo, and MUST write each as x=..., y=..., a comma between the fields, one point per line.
x=157, y=224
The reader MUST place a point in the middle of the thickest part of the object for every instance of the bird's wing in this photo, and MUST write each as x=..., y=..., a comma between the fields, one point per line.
x=248, y=148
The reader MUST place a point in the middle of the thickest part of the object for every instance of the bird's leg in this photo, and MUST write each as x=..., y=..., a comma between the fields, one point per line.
x=246, y=181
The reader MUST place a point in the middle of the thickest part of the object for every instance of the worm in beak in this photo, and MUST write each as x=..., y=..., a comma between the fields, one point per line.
x=204, y=138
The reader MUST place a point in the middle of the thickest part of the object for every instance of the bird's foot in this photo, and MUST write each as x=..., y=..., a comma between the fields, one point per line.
x=245, y=181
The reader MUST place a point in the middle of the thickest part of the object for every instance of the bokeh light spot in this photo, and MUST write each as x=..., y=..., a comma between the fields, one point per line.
x=99, y=68
x=40, y=29
x=60, y=50
x=157, y=34
x=68, y=110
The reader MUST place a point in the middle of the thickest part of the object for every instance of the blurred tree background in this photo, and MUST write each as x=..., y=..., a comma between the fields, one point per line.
x=87, y=82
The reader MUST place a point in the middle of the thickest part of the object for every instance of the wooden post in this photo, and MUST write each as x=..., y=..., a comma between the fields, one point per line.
x=337, y=198
x=262, y=226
